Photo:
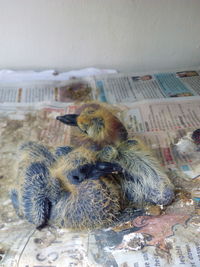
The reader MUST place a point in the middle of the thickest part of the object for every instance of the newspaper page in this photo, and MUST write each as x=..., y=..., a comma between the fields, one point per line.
x=161, y=123
x=169, y=239
x=127, y=88
x=48, y=85
x=77, y=89
x=113, y=88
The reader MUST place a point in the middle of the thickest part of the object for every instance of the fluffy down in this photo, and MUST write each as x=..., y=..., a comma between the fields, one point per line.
x=143, y=179
x=67, y=188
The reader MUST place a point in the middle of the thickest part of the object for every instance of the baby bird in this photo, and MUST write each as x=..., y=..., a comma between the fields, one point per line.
x=68, y=188
x=90, y=197
x=143, y=180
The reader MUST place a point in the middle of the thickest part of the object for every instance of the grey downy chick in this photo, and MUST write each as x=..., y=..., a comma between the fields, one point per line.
x=143, y=179
x=90, y=197
x=68, y=189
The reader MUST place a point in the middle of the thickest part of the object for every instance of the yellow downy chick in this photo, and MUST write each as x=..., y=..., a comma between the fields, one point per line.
x=143, y=180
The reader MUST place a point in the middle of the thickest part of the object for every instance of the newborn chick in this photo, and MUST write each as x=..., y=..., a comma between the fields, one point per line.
x=143, y=179
x=85, y=203
x=68, y=189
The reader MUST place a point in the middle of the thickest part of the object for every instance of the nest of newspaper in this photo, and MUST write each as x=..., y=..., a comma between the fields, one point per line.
x=158, y=108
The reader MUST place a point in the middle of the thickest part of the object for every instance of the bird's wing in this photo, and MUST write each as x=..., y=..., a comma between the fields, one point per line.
x=63, y=150
x=40, y=191
x=36, y=152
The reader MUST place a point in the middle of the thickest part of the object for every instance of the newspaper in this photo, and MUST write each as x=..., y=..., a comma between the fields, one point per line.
x=169, y=239
x=160, y=124
x=44, y=91
x=30, y=87
x=112, y=88
x=118, y=88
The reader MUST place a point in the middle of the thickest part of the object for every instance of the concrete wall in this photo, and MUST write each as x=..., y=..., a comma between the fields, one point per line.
x=129, y=35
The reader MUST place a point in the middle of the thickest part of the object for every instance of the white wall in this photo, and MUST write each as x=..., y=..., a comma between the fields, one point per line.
x=135, y=35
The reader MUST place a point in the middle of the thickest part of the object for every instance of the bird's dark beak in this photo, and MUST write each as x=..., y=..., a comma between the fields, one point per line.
x=102, y=168
x=92, y=171
x=69, y=119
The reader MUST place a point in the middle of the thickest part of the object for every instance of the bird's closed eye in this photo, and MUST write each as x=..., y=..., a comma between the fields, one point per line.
x=91, y=111
x=75, y=177
x=98, y=121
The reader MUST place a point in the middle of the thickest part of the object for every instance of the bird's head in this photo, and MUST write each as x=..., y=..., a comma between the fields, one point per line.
x=78, y=167
x=97, y=123
x=92, y=171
